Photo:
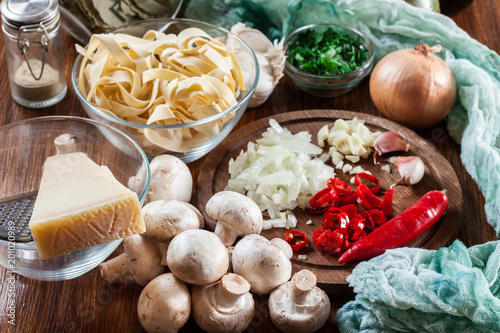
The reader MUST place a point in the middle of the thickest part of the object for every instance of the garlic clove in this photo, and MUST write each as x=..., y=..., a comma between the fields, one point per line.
x=271, y=59
x=410, y=168
x=389, y=142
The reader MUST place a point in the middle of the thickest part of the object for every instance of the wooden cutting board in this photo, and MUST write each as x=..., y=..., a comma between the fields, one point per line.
x=439, y=175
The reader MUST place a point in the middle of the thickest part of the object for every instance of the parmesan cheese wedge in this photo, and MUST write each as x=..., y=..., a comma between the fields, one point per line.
x=80, y=204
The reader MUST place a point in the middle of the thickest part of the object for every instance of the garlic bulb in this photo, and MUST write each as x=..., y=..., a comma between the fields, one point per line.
x=271, y=58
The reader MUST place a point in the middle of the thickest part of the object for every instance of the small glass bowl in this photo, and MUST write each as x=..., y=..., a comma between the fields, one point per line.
x=24, y=147
x=329, y=85
x=173, y=139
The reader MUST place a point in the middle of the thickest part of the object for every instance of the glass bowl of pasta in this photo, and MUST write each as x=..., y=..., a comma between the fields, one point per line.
x=176, y=86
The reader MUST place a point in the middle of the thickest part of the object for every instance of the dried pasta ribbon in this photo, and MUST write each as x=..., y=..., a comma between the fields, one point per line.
x=162, y=79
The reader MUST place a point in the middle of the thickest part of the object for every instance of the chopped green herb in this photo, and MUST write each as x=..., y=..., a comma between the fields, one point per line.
x=328, y=53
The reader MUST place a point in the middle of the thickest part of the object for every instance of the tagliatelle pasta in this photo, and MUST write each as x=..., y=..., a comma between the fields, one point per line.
x=162, y=79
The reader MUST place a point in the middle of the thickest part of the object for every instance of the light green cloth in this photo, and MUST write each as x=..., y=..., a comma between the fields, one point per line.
x=454, y=289
x=392, y=25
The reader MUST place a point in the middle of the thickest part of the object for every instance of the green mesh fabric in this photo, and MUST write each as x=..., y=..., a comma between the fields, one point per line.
x=391, y=25
x=453, y=289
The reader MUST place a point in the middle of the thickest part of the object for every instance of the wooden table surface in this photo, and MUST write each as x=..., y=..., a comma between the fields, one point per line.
x=88, y=304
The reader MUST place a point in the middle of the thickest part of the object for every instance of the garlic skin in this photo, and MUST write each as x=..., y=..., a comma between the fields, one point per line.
x=389, y=142
x=410, y=168
x=271, y=58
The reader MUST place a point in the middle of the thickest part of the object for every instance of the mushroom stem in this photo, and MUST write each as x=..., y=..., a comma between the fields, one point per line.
x=163, y=247
x=116, y=268
x=227, y=234
x=302, y=283
x=230, y=289
x=230, y=250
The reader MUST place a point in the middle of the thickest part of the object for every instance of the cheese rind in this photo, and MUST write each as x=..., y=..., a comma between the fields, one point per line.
x=80, y=204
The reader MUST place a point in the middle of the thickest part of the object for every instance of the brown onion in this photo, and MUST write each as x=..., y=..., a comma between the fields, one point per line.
x=413, y=87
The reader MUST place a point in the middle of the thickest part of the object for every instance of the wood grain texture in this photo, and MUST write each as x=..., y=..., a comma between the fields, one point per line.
x=88, y=304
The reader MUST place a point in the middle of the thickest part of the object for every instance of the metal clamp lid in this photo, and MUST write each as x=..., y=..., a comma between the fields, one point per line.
x=17, y=13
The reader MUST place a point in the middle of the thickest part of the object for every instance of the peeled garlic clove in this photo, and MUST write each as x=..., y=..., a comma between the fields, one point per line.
x=271, y=58
x=410, y=168
x=389, y=142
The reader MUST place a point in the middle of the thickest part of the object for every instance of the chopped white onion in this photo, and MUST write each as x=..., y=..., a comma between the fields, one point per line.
x=280, y=171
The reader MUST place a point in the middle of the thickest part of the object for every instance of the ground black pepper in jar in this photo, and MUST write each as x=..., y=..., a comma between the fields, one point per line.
x=34, y=51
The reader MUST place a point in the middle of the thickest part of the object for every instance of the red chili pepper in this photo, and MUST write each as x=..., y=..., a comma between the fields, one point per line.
x=336, y=219
x=296, y=239
x=329, y=241
x=351, y=210
x=317, y=233
x=387, y=202
x=370, y=178
x=375, y=217
x=348, y=199
x=339, y=186
x=366, y=198
x=400, y=230
x=355, y=234
x=322, y=198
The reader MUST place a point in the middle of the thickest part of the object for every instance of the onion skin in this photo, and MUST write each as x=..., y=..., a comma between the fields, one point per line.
x=413, y=87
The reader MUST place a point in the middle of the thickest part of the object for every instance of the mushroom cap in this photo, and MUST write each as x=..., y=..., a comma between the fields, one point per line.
x=298, y=305
x=171, y=179
x=164, y=304
x=144, y=258
x=198, y=257
x=284, y=246
x=165, y=219
x=225, y=306
x=261, y=263
x=237, y=212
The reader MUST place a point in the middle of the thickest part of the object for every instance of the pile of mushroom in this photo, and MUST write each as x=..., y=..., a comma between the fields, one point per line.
x=224, y=269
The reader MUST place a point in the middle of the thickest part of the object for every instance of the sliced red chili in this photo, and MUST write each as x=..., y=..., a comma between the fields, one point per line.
x=374, y=218
x=348, y=199
x=322, y=198
x=317, y=233
x=336, y=220
x=387, y=202
x=366, y=198
x=355, y=234
x=339, y=186
x=351, y=210
x=330, y=241
x=372, y=179
x=297, y=239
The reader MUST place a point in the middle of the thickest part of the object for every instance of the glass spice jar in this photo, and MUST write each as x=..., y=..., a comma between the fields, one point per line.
x=34, y=51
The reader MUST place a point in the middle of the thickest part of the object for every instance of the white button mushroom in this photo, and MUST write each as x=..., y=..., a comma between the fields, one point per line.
x=225, y=306
x=171, y=179
x=166, y=219
x=236, y=215
x=261, y=263
x=298, y=305
x=164, y=304
x=284, y=246
x=141, y=259
x=198, y=257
